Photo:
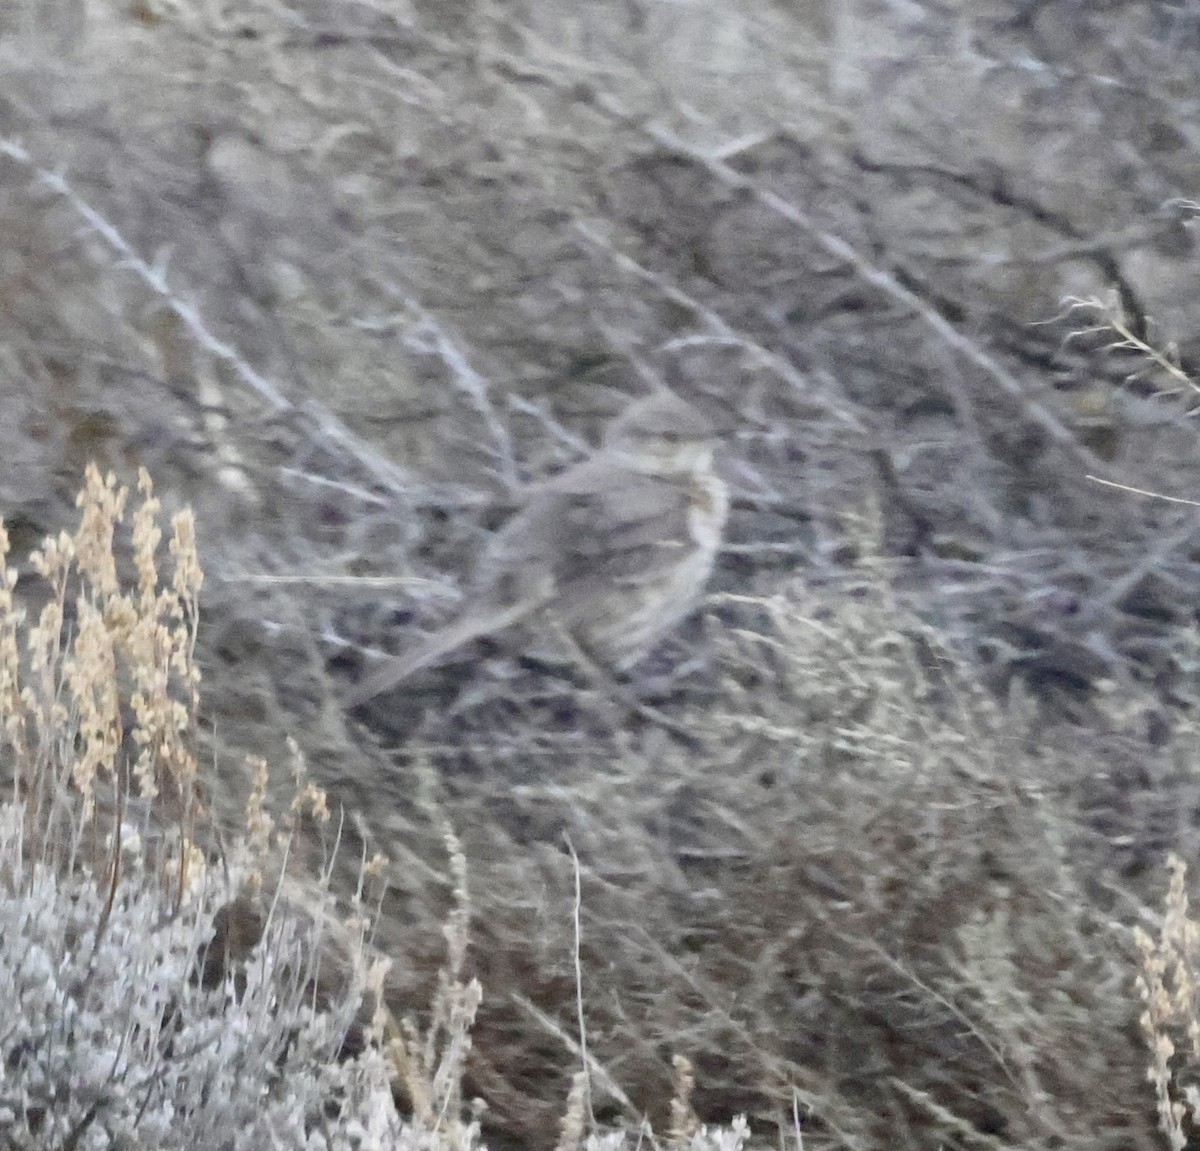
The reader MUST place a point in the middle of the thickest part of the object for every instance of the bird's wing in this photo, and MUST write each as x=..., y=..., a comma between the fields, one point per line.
x=588, y=523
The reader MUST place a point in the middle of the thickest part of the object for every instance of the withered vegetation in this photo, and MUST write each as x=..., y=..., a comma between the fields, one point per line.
x=859, y=853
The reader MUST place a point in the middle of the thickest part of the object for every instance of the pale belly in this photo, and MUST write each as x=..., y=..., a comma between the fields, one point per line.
x=634, y=618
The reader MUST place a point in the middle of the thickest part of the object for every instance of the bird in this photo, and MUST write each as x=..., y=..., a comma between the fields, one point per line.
x=615, y=551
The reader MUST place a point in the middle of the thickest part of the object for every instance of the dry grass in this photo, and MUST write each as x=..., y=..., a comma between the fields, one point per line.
x=153, y=976
x=854, y=887
x=153, y=997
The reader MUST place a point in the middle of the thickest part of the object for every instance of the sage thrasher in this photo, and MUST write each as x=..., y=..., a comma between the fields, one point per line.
x=615, y=551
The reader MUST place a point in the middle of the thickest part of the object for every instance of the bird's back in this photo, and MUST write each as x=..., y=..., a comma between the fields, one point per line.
x=626, y=554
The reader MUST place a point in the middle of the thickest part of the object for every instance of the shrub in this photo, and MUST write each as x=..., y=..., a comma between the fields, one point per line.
x=155, y=998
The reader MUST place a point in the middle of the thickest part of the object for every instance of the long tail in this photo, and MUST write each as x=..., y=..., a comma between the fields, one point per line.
x=438, y=645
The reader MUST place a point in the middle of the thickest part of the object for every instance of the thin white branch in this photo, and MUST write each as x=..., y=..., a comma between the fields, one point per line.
x=327, y=425
x=429, y=337
x=719, y=326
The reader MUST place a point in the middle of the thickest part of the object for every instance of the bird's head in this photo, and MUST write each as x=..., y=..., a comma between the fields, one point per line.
x=662, y=435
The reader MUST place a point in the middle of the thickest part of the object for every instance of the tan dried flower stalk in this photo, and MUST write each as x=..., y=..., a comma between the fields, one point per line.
x=108, y=688
x=1168, y=987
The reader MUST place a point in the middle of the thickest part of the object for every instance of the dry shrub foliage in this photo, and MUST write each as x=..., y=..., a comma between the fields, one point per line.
x=134, y=1015
x=1170, y=987
x=156, y=998
x=853, y=887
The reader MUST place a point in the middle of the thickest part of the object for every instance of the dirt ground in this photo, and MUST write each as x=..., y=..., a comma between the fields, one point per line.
x=345, y=275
